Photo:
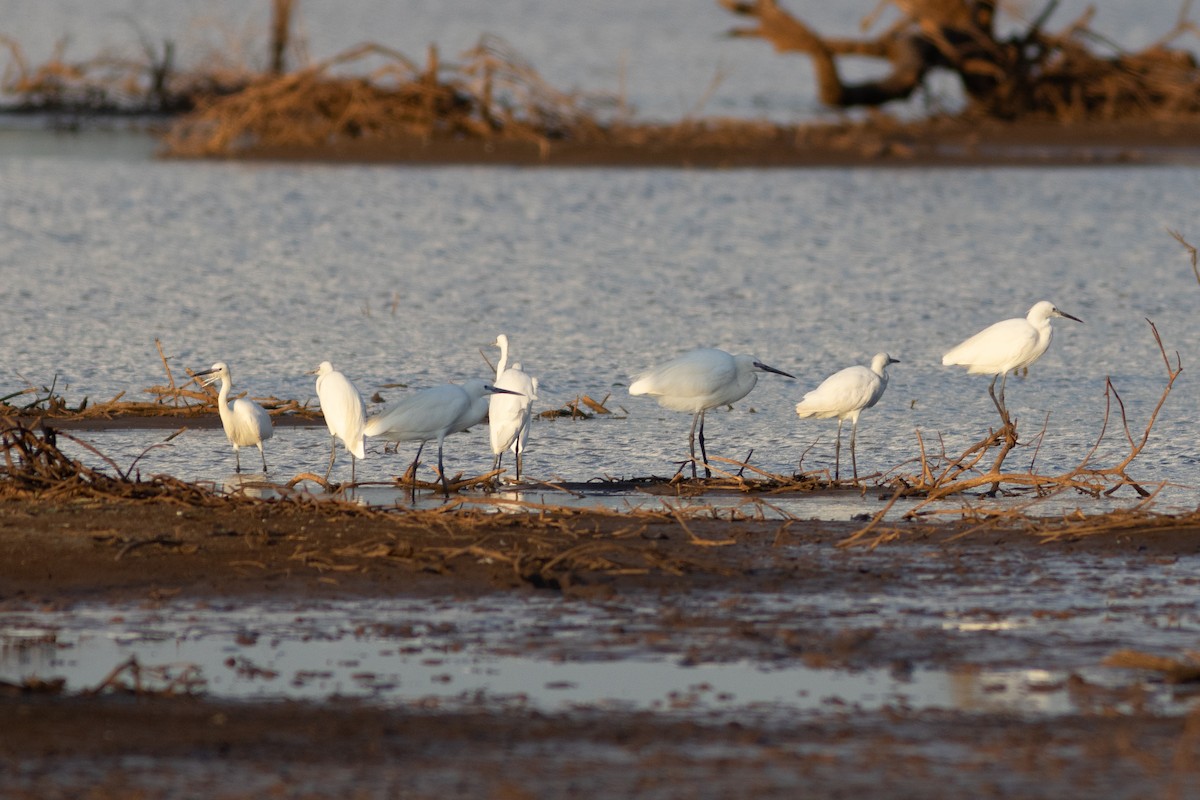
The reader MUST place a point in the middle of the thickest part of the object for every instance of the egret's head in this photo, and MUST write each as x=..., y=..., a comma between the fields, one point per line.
x=1044, y=310
x=215, y=373
x=881, y=360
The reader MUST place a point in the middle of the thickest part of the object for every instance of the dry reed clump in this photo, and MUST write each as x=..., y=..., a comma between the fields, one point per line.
x=493, y=94
x=174, y=399
x=1074, y=85
x=112, y=83
x=34, y=467
x=1173, y=670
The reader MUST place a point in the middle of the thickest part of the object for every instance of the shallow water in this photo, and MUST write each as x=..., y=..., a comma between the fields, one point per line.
x=402, y=275
x=1003, y=646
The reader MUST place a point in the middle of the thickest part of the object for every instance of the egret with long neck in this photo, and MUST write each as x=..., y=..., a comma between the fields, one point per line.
x=509, y=415
x=245, y=421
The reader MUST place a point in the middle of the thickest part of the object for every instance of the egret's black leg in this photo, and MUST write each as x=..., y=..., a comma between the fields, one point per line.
x=853, y=458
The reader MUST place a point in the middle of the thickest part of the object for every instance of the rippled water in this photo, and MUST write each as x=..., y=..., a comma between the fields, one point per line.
x=402, y=275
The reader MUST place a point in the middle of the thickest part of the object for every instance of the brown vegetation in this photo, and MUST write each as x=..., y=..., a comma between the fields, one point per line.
x=1034, y=73
x=173, y=399
x=372, y=103
x=493, y=94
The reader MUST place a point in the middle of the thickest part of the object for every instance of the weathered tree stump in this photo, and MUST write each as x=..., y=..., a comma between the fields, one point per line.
x=1035, y=73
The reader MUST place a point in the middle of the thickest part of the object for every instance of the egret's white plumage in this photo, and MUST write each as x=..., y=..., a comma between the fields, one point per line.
x=1007, y=345
x=509, y=415
x=697, y=381
x=245, y=422
x=344, y=411
x=846, y=394
x=432, y=414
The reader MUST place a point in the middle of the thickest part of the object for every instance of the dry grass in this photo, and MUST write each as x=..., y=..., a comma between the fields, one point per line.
x=185, y=399
x=34, y=467
x=492, y=94
x=111, y=83
x=1173, y=670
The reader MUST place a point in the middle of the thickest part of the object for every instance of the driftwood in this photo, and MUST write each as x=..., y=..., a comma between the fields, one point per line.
x=1031, y=74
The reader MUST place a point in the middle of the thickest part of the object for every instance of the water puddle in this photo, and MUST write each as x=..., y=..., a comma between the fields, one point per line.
x=501, y=653
x=624, y=497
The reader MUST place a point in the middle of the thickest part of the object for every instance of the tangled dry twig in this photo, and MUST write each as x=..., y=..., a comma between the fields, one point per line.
x=493, y=94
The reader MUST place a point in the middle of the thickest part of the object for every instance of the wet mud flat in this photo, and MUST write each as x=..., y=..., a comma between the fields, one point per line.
x=932, y=666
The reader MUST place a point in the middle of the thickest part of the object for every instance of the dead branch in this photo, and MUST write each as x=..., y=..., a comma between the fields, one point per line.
x=1031, y=73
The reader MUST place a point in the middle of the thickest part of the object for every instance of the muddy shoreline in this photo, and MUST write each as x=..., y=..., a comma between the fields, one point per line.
x=77, y=550
x=876, y=143
x=74, y=553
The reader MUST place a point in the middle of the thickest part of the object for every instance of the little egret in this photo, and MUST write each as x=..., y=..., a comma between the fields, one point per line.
x=433, y=413
x=845, y=395
x=344, y=411
x=700, y=380
x=245, y=421
x=509, y=415
x=1006, y=346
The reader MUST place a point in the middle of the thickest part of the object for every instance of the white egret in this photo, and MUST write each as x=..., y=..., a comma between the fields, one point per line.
x=509, y=415
x=697, y=381
x=245, y=421
x=433, y=414
x=1006, y=346
x=344, y=411
x=846, y=394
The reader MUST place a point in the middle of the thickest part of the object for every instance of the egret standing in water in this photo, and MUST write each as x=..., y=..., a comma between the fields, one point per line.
x=697, y=381
x=344, y=411
x=509, y=415
x=245, y=421
x=1006, y=346
x=433, y=414
x=845, y=395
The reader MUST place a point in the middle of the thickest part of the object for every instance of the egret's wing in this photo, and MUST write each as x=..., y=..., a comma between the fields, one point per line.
x=344, y=410
x=841, y=393
x=695, y=374
x=993, y=347
x=251, y=423
x=419, y=416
